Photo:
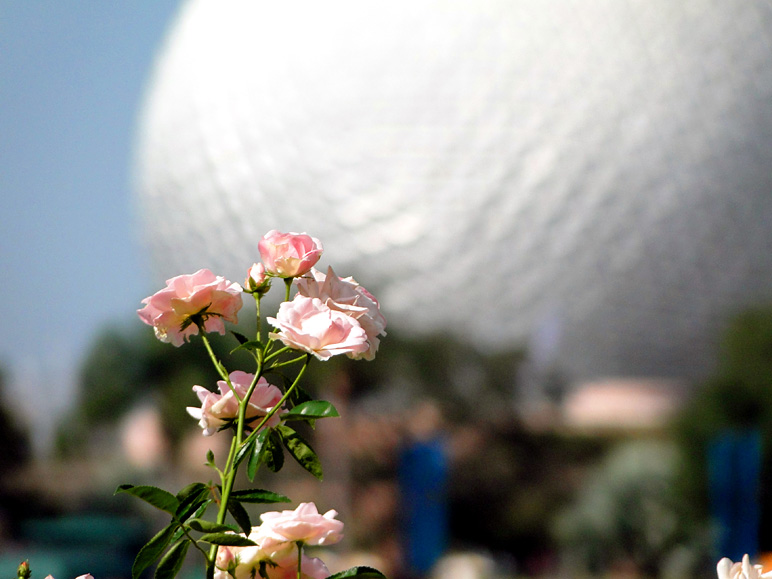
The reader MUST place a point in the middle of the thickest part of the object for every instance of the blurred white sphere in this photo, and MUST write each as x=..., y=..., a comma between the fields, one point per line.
x=592, y=176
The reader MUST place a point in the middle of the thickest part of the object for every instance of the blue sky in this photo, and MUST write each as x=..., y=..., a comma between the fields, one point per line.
x=71, y=81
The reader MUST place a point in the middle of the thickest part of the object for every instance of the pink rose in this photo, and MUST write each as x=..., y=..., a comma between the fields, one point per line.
x=219, y=410
x=307, y=324
x=244, y=563
x=238, y=562
x=281, y=530
x=289, y=254
x=347, y=296
x=187, y=300
x=311, y=568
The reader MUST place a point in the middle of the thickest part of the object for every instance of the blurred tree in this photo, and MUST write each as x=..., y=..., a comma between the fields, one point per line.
x=16, y=501
x=14, y=439
x=738, y=396
x=124, y=368
x=628, y=512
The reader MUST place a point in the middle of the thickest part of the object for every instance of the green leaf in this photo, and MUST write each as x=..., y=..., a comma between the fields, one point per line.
x=300, y=450
x=210, y=459
x=172, y=561
x=204, y=526
x=159, y=498
x=240, y=337
x=259, y=496
x=150, y=552
x=190, y=490
x=267, y=450
x=240, y=515
x=192, y=498
x=311, y=409
x=259, y=451
x=359, y=573
x=251, y=345
x=244, y=451
x=227, y=539
x=255, y=457
x=274, y=454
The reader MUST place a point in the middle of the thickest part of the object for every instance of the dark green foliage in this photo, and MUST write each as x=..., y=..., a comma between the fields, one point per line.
x=14, y=440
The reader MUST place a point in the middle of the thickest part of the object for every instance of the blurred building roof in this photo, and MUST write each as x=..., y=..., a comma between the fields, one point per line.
x=622, y=404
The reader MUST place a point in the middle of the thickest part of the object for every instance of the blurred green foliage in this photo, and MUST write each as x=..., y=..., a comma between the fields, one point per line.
x=124, y=368
x=629, y=511
x=737, y=396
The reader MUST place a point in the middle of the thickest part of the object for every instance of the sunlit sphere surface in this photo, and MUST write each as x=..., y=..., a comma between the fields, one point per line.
x=592, y=178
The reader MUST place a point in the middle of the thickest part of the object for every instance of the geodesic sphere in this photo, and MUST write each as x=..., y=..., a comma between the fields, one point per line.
x=591, y=177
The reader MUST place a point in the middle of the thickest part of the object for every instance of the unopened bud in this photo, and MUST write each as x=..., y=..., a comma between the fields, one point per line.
x=23, y=571
x=257, y=280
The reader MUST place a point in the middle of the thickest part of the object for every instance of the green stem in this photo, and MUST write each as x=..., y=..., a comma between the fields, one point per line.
x=277, y=353
x=300, y=556
x=242, y=419
x=185, y=532
x=257, y=297
x=287, y=363
x=226, y=480
x=281, y=402
x=288, y=285
x=217, y=364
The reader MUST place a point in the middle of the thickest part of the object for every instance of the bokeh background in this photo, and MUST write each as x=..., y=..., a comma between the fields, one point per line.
x=564, y=210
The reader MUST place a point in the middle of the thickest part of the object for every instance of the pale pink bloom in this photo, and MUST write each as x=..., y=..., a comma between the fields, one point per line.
x=256, y=277
x=86, y=576
x=244, y=563
x=310, y=568
x=726, y=569
x=202, y=296
x=218, y=410
x=347, y=296
x=309, y=325
x=238, y=562
x=289, y=254
x=280, y=530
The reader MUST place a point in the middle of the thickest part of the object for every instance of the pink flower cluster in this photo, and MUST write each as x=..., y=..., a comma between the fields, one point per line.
x=220, y=410
x=278, y=538
x=202, y=298
x=328, y=316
